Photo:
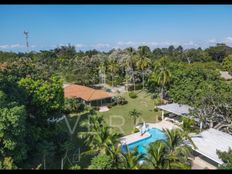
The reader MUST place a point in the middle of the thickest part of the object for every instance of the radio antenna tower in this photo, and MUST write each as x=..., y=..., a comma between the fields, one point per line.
x=26, y=37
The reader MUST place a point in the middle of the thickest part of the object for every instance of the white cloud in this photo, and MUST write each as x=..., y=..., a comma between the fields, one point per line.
x=190, y=44
x=228, y=40
x=152, y=44
x=213, y=41
x=4, y=46
x=123, y=44
x=11, y=46
x=15, y=46
x=79, y=45
x=101, y=46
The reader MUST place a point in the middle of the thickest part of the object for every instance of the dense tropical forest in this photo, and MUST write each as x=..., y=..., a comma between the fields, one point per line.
x=31, y=91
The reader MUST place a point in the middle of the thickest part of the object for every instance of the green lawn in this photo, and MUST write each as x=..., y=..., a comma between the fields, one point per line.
x=118, y=116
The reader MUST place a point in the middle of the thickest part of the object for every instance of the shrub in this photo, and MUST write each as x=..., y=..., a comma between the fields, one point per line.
x=109, y=105
x=156, y=109
x=75, y=167
x=160, y=118
x=114, y=103
x=124, y=102
x=120, y=100
x=73, y=105
x=137, y=87
x=133, y=95
x=96, y=108
x=101, y=161
x=135, y=130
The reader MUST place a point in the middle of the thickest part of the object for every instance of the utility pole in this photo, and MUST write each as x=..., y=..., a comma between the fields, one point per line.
x=26, y=33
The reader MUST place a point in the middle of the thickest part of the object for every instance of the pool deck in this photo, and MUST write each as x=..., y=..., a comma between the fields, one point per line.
x=198, y=163
x=134, y=137
x=163, y=125
x=137, y=136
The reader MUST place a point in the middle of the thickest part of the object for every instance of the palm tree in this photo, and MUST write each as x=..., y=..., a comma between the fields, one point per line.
x=102, y=71
x=131, y=63
x=157, y=155
x=134, y=114
x=130, y=159
x=178, y=152
x=115, y=153
x=127, y=78
x=143, y=62
x=99, y=136
x=161, y=74
x=113, y=68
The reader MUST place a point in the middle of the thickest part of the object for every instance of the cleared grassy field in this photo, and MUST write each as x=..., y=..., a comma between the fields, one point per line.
x=118, y=116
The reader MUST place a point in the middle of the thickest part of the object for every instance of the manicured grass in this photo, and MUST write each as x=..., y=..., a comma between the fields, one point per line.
x=118, y=116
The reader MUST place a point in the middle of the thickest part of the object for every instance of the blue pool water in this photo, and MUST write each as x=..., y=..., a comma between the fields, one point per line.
x=156, y=134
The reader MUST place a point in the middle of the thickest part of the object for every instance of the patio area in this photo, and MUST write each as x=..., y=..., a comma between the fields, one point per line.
x=137, y=136
x=164, y=124
x=134, y=137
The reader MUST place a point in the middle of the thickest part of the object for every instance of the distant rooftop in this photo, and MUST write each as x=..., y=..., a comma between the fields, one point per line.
x=226, y=75
x=176, y=108
x=211, y=140
x=84, y=92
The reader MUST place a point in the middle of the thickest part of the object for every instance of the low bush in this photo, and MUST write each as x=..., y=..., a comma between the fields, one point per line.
x=73, y=105
x=135, y=130
x=120, y=100
x=109, y=105
x=133, y=95
x=137, y=87
x=156, y=109
x=96, y=108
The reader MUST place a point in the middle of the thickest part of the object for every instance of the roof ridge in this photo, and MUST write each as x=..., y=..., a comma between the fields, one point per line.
x=94, y=90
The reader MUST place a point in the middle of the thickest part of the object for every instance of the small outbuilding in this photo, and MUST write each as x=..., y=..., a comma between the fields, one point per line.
x=175, y=108
x=225, y=75
x=209, y=141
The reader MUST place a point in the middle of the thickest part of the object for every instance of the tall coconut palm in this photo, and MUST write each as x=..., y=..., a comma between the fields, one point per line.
x=131, y=63
x=143, y=62
x=115, y=153
x=113, y=68
x=102, y=72
x=178, y=152
x=161, y=74
x=170, y=153
x=131, y=159
x=127, y=78
x=157, y=156
x=134, y=114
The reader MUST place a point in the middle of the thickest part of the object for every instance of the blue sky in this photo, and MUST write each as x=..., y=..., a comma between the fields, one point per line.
x=104, y=27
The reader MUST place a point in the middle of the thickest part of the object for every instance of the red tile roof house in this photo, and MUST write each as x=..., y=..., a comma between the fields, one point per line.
x=94, y=97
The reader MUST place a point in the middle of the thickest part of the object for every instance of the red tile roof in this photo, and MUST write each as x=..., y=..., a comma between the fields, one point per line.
x=85, y=93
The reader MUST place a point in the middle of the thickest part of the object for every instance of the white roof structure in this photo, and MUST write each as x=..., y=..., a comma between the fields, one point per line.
x=225, y=75
x=211, y=140
x=176, y=108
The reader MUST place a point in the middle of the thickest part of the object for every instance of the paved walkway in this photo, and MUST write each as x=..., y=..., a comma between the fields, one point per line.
x=103, y=109
x=134, y=137
x=137, y=136
x=163, y=125
x=198, y=163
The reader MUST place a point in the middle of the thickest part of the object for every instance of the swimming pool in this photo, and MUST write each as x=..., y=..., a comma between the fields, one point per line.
x=155, y=133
